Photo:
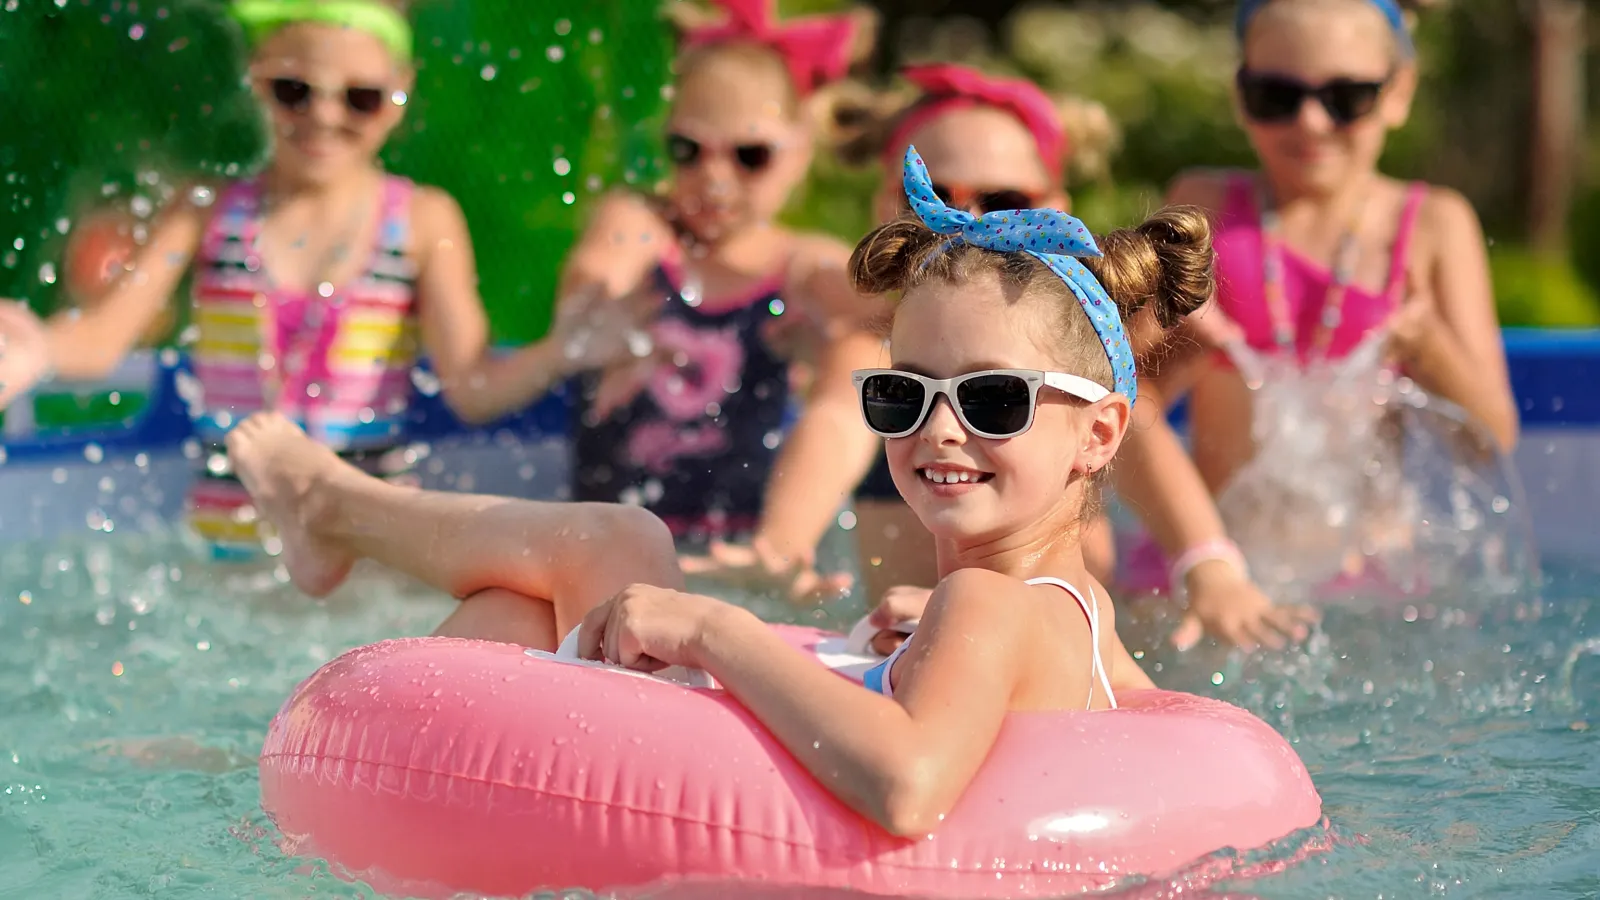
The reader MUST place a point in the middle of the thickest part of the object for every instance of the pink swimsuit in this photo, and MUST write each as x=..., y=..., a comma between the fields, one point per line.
x=1242, y=296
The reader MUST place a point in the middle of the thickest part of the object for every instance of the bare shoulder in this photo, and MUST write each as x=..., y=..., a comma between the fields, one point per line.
x=434, y=211
x=815, y=248
x=1205, y=188
x=1446, y=212
x=978, y=598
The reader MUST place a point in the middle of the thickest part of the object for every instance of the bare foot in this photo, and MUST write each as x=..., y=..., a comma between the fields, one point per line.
x=284, y=470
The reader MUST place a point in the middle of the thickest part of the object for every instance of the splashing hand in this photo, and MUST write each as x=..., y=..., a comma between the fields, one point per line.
x=24, y=353
x=1212, y=328
x=1412, y=327
x=647, y=628
x=1227, y=605
x=595, y=331
x=757, y=567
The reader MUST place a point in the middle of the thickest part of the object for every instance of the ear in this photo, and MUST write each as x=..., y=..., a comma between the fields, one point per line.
x=1397, y=98
x=1107, y=425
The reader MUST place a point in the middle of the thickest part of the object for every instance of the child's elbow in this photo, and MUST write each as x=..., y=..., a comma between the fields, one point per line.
x=912, y=805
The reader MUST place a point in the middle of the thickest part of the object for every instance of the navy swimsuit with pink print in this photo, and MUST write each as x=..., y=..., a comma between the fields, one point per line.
x=696, y=445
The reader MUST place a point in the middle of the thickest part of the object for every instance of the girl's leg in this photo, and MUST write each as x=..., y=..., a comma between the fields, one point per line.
x=563, y=559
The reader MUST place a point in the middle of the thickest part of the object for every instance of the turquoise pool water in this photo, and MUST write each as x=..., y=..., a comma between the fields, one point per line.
x=1457, y=750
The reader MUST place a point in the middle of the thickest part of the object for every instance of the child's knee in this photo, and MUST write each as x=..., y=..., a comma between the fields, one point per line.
x=629, y=539
x=630, y=528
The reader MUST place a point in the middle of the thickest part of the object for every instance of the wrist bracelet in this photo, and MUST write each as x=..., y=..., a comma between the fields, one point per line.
x=1209, y=551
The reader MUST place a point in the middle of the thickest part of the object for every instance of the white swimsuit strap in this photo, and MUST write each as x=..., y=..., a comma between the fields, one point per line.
x=1091, y=609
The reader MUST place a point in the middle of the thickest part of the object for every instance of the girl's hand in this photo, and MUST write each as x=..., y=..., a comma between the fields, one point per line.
x=1413, y=326
x=597, y=332
x=24, y=352
x=1227, y=605
x=647, y=628
x=756, y=567
x=900, y=604
x=1211, y=327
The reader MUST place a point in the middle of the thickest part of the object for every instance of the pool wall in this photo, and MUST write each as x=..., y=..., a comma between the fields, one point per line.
x=55, y=480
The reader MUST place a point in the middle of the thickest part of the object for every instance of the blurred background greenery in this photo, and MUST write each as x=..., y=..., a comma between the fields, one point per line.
x=526, y=110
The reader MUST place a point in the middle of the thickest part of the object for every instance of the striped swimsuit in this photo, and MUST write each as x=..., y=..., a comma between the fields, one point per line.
x=336, y=360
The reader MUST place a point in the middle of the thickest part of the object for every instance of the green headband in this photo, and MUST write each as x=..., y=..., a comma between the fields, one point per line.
x=261, y=18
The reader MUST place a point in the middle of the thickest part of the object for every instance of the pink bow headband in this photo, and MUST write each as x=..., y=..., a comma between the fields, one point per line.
x=816, y=49
x=948, y=87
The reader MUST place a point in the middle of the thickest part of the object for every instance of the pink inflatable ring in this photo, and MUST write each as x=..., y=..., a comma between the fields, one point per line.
x=432, y=767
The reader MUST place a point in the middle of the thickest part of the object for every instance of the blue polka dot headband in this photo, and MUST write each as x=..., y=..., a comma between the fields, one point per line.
x=1048, y=235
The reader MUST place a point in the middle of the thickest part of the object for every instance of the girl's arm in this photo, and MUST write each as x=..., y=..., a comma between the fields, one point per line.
x=1447, y=333
x=1157, y=478
x=901, y=762
x=481, y=386
x=829, y=450
x=87, y=344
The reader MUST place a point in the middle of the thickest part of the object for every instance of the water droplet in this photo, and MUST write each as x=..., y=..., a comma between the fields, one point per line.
x=1216, y=677
x=93, y=452
x=775, y=307
x=47, y=273
x=426, y=382
x=595, y=36
x=569, y=198
x=554, y=53
x=398, y=98
x=487, y=73
x=563, y=27
x=136, y=32
x=325, y=289
x=847, y=520
x=141, y=206
x=771, y=440
x=562, y=166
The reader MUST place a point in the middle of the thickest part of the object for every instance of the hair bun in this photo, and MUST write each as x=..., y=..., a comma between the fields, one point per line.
x=1165, y=265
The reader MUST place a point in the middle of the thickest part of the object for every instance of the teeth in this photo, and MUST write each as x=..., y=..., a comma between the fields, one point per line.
x=950, y=477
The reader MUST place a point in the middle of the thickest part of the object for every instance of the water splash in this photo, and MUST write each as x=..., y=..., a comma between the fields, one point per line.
x=1363, y=482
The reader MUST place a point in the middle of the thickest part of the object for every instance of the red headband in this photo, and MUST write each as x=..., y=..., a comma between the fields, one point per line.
x=817, y=49
x=947, y=87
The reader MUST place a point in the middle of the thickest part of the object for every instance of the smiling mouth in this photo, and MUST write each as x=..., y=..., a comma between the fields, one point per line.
x=954, y=476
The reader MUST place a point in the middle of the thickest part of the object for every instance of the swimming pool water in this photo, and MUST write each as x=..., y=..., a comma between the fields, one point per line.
x=1457, y=750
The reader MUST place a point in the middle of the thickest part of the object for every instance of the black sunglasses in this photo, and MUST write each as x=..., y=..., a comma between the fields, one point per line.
x=1276, y=98
x=990, y=201
x=687, y=151
x=294, y=94
x=995, y=404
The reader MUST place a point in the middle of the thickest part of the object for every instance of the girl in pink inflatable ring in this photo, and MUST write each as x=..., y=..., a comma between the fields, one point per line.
x=1010, y=388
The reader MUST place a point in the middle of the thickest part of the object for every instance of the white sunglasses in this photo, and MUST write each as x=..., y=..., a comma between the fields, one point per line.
x=994, y=403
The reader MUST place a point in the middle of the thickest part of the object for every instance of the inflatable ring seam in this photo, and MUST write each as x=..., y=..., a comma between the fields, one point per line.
x=294, y=759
